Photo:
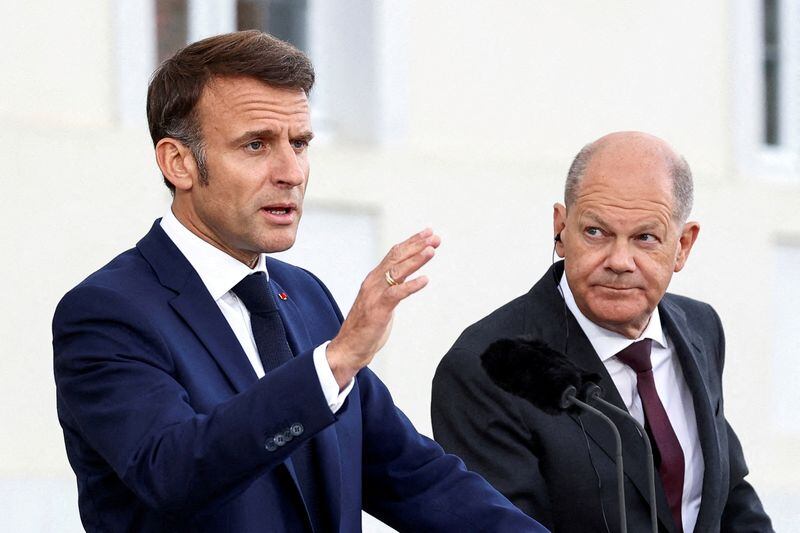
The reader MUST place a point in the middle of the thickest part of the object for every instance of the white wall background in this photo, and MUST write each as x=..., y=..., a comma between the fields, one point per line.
x=496, y=98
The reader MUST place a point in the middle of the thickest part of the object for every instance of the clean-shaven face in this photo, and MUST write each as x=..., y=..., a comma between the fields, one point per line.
x=620, y=240
x=256, y=144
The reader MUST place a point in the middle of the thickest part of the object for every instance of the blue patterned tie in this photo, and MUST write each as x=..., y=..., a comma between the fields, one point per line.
x=256, y=293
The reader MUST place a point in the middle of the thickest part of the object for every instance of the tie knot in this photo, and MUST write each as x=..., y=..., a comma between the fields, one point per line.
x=637, y=356
x=254, y=291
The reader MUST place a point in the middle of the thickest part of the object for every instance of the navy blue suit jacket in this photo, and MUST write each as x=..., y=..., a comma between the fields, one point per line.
x=168, y=428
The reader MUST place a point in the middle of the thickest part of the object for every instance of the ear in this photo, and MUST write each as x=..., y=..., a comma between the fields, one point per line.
x=685, y=243
x=177, y=163
x=559, y=223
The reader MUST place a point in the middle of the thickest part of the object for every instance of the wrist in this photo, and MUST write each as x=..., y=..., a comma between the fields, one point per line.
x=343, y=370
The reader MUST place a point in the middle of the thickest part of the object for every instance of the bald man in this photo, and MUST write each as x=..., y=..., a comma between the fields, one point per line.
x=622, y=232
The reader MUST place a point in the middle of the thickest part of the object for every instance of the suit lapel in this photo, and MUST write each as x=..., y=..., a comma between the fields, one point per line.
x=195, y=305
x=580, y=351
x=634, y=452
x=689, y=348
x=293, y=323
x=201, y=313
x=326, y=442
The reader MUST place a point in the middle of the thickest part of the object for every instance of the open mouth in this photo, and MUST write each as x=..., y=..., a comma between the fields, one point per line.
x=280, y=213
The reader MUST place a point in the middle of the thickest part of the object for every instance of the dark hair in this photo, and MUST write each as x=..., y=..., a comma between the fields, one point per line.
x=178, y=83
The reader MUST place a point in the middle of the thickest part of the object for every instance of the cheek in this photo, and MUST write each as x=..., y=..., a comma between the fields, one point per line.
x=583, y=263
x=657, y=275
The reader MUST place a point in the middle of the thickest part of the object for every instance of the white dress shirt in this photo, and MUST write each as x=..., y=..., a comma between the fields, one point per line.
x=220, y=273
x=670, y=385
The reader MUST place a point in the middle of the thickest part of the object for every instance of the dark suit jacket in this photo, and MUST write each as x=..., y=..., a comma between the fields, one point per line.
x=168, y=429
x=540, y=462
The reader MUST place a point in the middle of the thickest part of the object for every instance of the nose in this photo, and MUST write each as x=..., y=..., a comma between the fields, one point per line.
x=620, y=258
x=287, y=168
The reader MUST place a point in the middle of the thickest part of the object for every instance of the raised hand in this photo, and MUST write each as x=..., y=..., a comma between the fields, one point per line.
x=367, y=326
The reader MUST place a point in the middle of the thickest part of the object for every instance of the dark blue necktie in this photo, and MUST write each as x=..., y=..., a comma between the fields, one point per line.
x=256, y=293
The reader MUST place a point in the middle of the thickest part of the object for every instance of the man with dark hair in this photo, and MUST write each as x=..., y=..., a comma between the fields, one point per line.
x=196, y=386
x=622, y=233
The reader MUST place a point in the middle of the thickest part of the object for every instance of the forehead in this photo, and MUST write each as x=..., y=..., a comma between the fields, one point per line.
x=632, y=178
x=240, y=101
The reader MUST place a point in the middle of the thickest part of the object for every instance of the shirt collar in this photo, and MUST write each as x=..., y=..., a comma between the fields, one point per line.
x=609, y=343
x=218, y=270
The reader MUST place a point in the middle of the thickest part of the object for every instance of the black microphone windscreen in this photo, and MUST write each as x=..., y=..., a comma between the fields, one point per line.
x=530, y=369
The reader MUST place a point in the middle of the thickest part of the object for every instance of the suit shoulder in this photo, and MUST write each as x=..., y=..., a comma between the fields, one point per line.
x=505, y=321
x=694, y=309
x=124, y=273
x=125, y=286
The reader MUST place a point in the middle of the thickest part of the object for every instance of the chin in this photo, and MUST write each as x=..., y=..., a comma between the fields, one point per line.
x=617, y=315
x=277, y=241
x=279, y=245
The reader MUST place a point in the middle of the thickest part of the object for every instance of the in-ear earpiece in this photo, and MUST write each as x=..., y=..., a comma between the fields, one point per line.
x=557, y=238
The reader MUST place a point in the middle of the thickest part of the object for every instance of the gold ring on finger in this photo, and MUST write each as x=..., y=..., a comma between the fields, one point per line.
x=389, y=279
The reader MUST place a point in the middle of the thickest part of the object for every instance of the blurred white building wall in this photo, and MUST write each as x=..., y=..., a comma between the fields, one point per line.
x=485, y=104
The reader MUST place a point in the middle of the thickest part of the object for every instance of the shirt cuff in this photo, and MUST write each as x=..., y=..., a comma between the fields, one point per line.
x=328, y=383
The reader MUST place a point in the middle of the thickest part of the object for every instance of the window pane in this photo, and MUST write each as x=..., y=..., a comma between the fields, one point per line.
x=772, y=133
x=171, y=27
x=285, y=19
x=785, y=319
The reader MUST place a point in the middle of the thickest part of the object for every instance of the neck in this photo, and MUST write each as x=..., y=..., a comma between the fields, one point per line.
x=193, y=224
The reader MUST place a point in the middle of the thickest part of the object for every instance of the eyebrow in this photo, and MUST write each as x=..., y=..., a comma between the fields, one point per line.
x=269, y=133
x=594, y=218
x=645, y=227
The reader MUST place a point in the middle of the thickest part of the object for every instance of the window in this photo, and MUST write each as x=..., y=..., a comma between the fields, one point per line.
x=358, y=50
x=767, y=88
x=771, y=51
x=785, y=363
x=285, y=19
x=171, y=28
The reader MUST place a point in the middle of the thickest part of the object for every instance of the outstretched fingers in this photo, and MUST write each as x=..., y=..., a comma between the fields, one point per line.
x=367, y=326
x=407, y=257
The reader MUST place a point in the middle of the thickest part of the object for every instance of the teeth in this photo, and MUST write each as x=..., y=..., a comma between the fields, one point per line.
x=278, y=211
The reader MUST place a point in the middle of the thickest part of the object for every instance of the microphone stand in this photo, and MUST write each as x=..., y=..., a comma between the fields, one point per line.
x=592, y=392
x=568, y=399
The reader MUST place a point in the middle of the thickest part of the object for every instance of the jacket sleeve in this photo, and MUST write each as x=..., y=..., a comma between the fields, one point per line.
x=477, y=421
x=120, y=393
x=412, y=485
x=743, y=511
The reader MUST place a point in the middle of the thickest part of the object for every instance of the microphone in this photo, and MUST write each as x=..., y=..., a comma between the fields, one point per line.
x=530, y=369
x=591, y=392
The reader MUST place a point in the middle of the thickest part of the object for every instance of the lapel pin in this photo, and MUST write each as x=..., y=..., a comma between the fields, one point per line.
x=283, y=296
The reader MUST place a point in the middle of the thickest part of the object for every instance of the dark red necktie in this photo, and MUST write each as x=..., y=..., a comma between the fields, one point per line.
x=671, y=465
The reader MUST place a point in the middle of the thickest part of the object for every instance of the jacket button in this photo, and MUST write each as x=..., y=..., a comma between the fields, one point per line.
x=296, y=429
x=279, y=440
x=270, y=445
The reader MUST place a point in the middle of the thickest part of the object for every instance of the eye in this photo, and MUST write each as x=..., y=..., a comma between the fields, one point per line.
x=254, y=146
x=299, y=144
x=647, y=237
x=593, y=231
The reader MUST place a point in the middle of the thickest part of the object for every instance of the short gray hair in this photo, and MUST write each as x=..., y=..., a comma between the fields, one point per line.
x=681, y=174
x=188, y=132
